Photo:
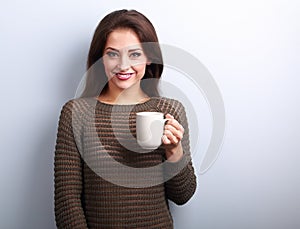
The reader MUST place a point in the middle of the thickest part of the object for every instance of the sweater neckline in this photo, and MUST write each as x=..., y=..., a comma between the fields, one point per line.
x=146, y=105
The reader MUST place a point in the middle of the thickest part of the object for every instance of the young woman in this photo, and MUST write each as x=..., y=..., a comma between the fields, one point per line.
x=103, y=178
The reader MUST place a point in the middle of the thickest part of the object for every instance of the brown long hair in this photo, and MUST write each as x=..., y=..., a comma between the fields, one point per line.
x=96, y=80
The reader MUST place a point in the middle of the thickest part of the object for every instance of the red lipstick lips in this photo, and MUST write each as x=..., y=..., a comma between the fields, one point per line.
x=123, y=76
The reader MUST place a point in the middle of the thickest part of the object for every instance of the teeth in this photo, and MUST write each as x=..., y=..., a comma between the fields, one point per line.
x=124, y=76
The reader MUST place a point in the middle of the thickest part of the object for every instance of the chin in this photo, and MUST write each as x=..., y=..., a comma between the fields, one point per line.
x=123, y=85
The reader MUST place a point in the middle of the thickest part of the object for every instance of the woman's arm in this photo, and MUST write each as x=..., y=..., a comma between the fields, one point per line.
x=179, y=171
x=67, y=175
x=182, y=186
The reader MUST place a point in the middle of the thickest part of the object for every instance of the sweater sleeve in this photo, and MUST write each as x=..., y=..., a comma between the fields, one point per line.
x=181, y=179
x=67, y=175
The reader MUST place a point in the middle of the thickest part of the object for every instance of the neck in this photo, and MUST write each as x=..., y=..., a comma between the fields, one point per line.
x=126, y=96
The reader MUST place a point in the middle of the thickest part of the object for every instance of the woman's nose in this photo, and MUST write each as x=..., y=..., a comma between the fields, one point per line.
x=124, y=63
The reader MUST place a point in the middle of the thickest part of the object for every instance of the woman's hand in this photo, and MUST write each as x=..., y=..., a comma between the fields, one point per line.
x=171, y=139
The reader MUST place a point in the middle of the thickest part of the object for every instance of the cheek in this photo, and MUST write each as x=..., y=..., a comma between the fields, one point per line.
x=140, y=69
x=109, y=66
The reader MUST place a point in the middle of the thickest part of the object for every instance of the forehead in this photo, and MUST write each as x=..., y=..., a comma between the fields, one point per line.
x=122, y=38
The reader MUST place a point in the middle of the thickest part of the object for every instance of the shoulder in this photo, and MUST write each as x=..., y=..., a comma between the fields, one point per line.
x=77, y=106
x=170, y=105
x=173, y=107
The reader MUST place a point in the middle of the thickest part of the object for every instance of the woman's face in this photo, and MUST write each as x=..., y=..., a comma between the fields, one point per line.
x=124, y=60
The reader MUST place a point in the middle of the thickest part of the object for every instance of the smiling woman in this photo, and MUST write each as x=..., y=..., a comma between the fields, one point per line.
x=125, y=65
x=91, y=127
x=140, y=29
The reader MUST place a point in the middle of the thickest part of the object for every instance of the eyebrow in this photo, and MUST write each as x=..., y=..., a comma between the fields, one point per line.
x=111, y=49
x=130, y=50
x=136, y=49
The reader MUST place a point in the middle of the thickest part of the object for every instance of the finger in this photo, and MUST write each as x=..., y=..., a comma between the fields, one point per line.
x=177, y=133
x=175, y=124
x=165, y=140
x=169, y=116
x=173, y=139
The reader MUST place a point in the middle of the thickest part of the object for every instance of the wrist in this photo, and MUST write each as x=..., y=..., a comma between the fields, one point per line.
x=174, y=154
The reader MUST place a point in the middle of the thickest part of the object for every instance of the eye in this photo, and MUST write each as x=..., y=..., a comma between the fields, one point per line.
x=135, y=54
x=112, y=54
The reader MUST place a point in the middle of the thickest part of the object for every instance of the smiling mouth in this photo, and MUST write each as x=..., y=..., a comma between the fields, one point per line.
x=123, y=76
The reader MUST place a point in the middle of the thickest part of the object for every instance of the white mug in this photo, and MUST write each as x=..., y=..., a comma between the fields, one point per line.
x=150, y=129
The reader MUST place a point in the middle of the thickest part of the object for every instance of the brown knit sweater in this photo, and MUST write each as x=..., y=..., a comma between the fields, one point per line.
x=103, y=179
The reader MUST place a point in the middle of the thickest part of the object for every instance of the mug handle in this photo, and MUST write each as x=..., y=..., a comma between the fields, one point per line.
x=165, y=120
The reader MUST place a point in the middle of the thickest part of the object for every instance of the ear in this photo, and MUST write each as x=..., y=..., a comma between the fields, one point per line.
x=148, y=62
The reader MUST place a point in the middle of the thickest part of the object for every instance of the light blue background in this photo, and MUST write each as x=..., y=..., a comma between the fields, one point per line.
x=250, y=47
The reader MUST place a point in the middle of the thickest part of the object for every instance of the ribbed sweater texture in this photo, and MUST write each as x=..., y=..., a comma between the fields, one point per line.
x=104, y=179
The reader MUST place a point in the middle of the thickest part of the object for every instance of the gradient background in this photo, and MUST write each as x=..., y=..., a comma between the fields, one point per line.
x=250, y=47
